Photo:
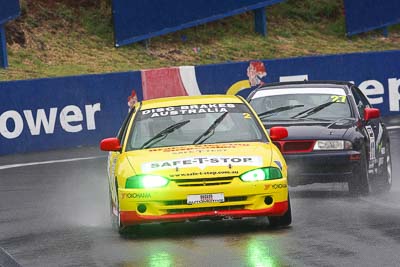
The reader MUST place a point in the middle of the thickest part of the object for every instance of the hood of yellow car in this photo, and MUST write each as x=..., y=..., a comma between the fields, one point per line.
x=203, y=160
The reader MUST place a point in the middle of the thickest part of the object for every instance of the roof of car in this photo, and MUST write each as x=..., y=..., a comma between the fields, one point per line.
x=302, y=84
x=190, y=100
x=316, y=83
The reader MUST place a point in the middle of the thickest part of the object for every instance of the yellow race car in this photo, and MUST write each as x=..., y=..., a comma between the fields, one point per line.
x=194, y=158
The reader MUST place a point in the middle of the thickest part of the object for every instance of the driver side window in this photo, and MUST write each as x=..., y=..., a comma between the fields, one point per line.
x=361, y=100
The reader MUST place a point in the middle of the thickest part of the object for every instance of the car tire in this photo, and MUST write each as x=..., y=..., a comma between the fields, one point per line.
x=359, y=183
x=281, y=221
x=385, y=182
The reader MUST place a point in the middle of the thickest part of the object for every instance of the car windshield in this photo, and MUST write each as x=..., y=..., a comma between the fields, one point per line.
x=194, y=124
x=301, y=103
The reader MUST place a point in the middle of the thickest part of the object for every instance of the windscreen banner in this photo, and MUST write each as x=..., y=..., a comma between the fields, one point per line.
x=66, y=112
x=367, y=15
x=142, y=19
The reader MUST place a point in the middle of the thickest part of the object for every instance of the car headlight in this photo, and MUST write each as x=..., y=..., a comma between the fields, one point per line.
x=261, y=174
x=146, y=181
x=333, y=145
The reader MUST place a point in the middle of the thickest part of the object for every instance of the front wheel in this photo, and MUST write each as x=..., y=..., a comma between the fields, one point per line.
x=281, y=221
x=360, y=183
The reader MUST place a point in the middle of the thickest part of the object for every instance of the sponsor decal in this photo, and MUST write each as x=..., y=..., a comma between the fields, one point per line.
x=71, y=118
x=211, y=173
x=379, y=137
x=256, y=73
x=199, y=148
x=279, y=186
x=135, y=195
x=187, y=110
x=202, y=162
x=372, y=146
x=266, y=186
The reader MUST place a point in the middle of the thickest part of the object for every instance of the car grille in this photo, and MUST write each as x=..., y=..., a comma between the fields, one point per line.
x=295, y=146
x=203, y=181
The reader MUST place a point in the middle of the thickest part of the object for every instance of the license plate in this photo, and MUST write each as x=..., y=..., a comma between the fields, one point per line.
x=205, y=198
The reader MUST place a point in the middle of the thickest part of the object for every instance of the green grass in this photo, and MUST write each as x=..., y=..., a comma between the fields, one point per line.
x=62, y=40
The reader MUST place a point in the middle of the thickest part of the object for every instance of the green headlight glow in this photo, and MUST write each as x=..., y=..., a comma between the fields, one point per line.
x=146, y=181
x=261, y=174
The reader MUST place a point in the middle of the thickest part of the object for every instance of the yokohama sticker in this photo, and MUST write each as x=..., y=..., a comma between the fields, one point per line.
x=202, y=162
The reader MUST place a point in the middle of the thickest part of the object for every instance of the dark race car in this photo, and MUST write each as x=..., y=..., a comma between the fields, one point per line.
x=335, y=135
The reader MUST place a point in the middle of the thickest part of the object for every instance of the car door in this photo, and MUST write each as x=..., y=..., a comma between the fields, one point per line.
x=114, y=155
x=373, y=130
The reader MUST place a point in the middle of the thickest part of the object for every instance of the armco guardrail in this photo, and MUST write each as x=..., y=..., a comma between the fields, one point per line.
x=37, y=115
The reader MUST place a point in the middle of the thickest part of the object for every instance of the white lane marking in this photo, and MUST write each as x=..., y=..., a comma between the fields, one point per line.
x=46, y=162
x=7, y=260
x=392, y=127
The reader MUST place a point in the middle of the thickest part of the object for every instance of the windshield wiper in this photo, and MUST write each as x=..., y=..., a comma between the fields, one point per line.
x=313, y=110
x=163, y=134
x=275, y=110
x=210, y=129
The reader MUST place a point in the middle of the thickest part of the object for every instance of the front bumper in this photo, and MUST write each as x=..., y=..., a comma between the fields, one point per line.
x=322, y=167
x=133, y=217
x=169, y=204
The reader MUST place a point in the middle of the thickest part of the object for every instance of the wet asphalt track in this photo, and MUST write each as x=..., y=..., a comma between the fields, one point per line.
x=56, y=214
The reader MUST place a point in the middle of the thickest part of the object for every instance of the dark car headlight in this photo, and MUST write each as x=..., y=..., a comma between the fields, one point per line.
x=332, y=145
x=261, y=174
x=146, y=181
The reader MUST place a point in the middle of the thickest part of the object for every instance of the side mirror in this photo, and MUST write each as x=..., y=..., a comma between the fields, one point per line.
x=277, y=133
x=371, y=113
x=110, y=144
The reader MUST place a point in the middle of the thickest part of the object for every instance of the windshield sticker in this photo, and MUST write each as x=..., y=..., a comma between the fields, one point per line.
x=204, y=148
x=338, y=98
x=297, y=91
x=202, y=162
x=187, y=110
x=246, y=116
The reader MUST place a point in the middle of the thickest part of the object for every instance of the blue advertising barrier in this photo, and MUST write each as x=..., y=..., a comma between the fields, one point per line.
x=43, y=114
x=65, y=112
x=366, y=15
x=376, y=74
x=142, y=19
x=8, y=11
